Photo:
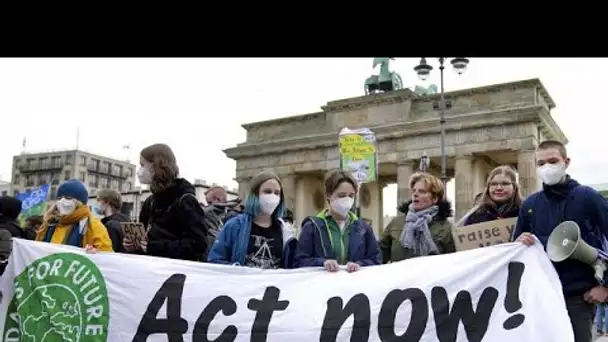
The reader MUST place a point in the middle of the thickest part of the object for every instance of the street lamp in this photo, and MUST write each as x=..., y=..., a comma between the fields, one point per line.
x=424, y=70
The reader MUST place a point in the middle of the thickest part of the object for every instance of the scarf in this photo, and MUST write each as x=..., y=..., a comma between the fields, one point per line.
x=53, y=219
x=416, y=235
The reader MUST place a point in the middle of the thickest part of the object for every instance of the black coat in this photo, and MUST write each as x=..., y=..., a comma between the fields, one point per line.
x=112, y=224
x=176, y=223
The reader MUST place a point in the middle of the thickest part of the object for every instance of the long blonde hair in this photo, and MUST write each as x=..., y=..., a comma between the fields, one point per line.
x=486, y=201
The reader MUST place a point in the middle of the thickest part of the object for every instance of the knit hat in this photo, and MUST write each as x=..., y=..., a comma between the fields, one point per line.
x=10, y=207
x=75, y=189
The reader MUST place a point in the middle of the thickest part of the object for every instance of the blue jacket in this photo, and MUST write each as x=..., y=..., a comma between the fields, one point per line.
x=231, y=245
x=542, y=211
x=314, y=246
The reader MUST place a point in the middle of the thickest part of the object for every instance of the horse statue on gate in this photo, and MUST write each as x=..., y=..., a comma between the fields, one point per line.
x=385, y=80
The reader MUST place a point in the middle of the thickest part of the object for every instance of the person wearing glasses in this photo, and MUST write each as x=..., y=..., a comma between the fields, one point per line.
x=501, y=198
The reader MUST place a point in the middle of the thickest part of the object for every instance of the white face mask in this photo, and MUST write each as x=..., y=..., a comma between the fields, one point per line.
x=551, y=174
x=269, y=202
x=65, y=206
x=144, y=175
x=342, y=205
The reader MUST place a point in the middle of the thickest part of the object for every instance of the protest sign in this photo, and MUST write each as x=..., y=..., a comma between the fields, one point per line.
x=134, y=231
x=483, y=234
x=358, y=154
x=58, y=293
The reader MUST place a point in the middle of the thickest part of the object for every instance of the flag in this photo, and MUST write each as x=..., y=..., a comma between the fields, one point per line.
x=24, y=142
x=33, y=202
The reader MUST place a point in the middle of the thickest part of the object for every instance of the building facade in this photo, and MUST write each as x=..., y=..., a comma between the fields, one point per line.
x=133, y=200
x=5, y=188
x=95, y=171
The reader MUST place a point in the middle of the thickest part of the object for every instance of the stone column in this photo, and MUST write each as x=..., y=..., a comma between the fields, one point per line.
x=526, y=167
x=289, y=190
x=405, y=169
x=243, y=188
x=464, y=185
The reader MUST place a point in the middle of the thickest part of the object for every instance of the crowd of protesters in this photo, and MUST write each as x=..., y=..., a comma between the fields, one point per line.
x=259, y=232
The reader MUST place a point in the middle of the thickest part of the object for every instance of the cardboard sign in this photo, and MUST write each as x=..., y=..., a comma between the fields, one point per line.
x=483, y=234
x=134, y=231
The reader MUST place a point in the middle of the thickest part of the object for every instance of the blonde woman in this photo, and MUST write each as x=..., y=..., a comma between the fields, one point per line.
x=501, y=198
x=426, y=230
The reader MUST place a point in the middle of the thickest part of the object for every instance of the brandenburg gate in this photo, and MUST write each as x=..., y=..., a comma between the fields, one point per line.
x=485, y=127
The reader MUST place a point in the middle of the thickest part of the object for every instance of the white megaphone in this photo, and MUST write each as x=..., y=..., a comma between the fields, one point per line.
x=565, y=242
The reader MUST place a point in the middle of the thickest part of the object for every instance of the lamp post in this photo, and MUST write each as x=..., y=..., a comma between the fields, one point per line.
x=424, y=70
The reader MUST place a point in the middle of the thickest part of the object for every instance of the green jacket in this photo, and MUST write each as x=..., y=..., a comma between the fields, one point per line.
x=440, y=227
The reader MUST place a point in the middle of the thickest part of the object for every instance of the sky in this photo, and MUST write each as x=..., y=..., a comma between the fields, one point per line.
x=197, y=106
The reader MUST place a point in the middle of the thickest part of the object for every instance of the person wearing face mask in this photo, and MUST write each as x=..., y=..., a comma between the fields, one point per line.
x=564, y=199
x=172, y=215
x=70, y=222
x=258, y=238
x=108, y=207
x=426, y=230
x=336, y=236
x=500, y=200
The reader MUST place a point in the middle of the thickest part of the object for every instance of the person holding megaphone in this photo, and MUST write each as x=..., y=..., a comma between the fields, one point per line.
x=563, y=199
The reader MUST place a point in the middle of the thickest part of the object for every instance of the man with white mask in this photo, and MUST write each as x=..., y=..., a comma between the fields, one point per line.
x=70, y=222
x=564, y=199
x=258, y=238
x=108, y=207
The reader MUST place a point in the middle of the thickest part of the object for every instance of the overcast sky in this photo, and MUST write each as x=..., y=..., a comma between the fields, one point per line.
x=197, y=106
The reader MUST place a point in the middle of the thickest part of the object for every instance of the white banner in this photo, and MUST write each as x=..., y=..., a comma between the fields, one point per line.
x=54, y=293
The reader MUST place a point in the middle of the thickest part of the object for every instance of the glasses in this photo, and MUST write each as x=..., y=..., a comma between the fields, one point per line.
x=501, y=184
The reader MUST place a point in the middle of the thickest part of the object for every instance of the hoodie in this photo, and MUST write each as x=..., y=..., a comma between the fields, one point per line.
x=542, y=211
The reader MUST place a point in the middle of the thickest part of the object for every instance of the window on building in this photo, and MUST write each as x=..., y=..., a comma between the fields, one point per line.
x=82, y=176
x=56, y=161
x=43, y=162
x=67, y=175
x=83, y=161
x=17, y=179
x=103, y=182
x=114, y=185
x=4, y=193
x=126, y=186
x=43, y=178
x=30, y=162
x=55, y=178
x=29, y=180
x=68, y=159
x=117, y=170
x=94, y=164
x=105, y=167
x=93, y=181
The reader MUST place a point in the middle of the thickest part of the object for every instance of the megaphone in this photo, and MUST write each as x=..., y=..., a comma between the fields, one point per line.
x=565, y=243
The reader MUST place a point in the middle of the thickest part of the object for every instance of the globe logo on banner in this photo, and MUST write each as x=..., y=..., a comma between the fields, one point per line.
x=58, y=298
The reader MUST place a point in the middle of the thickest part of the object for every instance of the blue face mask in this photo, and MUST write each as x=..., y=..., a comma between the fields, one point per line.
x=99, y=211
